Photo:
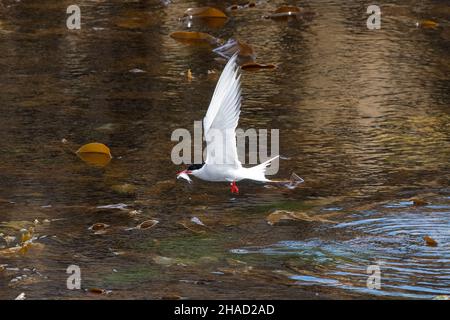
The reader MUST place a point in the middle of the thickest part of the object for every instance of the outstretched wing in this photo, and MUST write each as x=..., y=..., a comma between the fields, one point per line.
x=222, y=118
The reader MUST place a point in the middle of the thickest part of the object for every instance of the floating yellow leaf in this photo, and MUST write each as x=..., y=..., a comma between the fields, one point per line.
x=94, y=147
x=24, y=248
x=26, y=236
x=95, y=159
x=95, y=153
x=189, y=75
x=430, y=241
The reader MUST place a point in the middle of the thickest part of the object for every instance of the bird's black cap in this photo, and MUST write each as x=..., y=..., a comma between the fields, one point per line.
x=193, y=167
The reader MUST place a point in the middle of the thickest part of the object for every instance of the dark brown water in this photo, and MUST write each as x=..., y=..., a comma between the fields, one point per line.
x=363, y=118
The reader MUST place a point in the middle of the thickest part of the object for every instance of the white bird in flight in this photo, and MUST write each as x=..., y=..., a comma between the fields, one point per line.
x=219, y=125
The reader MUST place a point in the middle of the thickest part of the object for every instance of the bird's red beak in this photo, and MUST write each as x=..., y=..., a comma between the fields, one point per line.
x=183, y=171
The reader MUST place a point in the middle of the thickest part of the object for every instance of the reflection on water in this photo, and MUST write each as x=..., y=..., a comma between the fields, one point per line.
x=363, y=118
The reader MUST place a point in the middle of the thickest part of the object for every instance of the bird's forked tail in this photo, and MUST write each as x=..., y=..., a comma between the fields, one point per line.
x=259, y=172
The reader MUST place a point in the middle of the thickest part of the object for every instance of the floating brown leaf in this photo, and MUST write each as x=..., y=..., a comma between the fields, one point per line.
x=126, y=189
x=285, y=12
x=98, y=226
x=419, y=202
x=98, y=291
x=234, y=7
x=279, y=215
x=204, y=12
x=427, y=24
x=252, y=66
x=291, y=12
x=232, y=46
x=212, y=17
x=430, y=241
x=192, y=37
x=147, y=224
x=288, y=9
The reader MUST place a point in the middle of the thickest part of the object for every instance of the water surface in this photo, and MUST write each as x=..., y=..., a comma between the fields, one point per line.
x=363, y=118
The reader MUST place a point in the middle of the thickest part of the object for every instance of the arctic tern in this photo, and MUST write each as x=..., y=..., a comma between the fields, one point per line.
x=219, y=125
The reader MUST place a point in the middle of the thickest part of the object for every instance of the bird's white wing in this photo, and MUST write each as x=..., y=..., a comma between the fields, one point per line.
x=222, y=118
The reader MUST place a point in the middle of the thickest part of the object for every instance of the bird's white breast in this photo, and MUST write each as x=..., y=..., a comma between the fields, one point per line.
x=219, y=173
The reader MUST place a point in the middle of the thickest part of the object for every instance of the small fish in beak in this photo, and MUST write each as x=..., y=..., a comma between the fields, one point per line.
x=185, y=175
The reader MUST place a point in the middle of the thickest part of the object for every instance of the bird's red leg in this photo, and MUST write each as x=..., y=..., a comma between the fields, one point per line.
x=234, y=187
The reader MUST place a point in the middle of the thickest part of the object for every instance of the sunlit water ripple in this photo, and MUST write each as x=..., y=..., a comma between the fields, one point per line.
x=391, y=240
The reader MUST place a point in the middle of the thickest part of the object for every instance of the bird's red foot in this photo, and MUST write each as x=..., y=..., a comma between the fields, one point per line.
x=234, y=187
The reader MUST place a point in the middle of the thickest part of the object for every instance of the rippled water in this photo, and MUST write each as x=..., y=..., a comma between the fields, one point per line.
x=363, y=118
x=390, y=240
